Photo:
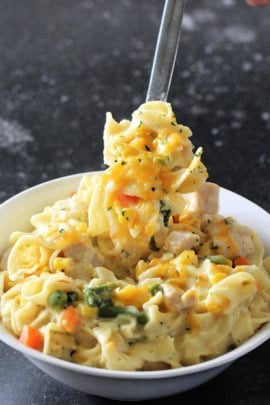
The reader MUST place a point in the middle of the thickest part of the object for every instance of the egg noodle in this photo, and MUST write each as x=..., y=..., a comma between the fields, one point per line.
x=137, y=270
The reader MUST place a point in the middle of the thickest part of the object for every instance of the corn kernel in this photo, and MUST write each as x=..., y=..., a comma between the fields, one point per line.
x=86, y=311
x=62, y=263
x=216, y=278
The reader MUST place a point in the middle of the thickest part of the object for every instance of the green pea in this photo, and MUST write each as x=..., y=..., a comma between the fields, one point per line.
x=58, y=299
x=219, y=259
x=155, y=288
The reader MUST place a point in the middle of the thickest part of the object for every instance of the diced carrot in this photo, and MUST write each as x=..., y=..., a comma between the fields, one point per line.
x=258, y=285
x=70, y=319
x=31, y=337
x=126, y=199
x=240, y=261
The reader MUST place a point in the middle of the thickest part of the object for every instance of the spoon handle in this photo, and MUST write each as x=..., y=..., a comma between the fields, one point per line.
x=166, y=50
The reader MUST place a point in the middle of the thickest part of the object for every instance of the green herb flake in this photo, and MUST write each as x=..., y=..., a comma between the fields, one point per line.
x=228, y=221
x=152, y=245
x=198, y=154
x=123, y=213
x=165, y=210
x=125, y=253
x=163, y=161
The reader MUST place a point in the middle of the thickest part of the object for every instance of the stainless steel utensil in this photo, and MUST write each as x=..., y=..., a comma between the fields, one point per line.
x=166, y=50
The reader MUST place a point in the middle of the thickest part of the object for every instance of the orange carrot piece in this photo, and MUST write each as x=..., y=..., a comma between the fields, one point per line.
x=258, y=285
x=70, y=319
x=240, y=261
x=126, y=199
x=31, y=337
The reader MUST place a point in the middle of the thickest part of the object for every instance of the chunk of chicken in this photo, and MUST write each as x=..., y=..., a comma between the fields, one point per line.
x=228, y=237
x=243, y=237
x=204, y=200
x=178, y=241
x=58, y=344
x=189, y=298
x=84, y=254
x=172, y=298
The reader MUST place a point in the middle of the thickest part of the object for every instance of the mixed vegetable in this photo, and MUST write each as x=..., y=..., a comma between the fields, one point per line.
x=107, y=300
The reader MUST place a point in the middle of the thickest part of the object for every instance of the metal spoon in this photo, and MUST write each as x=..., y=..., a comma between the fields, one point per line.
x=166, y=50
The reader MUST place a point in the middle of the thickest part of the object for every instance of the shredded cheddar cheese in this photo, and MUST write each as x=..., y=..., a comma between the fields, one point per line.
x=136, y=270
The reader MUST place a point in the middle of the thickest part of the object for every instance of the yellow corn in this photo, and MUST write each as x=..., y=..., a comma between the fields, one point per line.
x=62, y=263
x=214, y=279
x=86, y=311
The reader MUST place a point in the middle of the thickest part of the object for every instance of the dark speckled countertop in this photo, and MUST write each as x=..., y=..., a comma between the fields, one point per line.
x=64, y=63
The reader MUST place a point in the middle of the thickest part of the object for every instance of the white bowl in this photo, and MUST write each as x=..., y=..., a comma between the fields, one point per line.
x=125, y=385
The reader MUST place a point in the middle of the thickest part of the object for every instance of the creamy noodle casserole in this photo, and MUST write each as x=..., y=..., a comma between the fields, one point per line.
x=137, y=270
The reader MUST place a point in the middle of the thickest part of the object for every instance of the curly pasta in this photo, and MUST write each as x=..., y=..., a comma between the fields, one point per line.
x=137, y=270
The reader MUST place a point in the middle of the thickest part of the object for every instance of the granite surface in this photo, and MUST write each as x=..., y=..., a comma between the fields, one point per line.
x=64, y=63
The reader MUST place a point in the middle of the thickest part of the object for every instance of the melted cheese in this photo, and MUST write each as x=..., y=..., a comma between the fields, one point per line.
x=139, y=303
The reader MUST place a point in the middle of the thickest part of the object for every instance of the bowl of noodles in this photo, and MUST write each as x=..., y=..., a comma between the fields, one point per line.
x=141, y=281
